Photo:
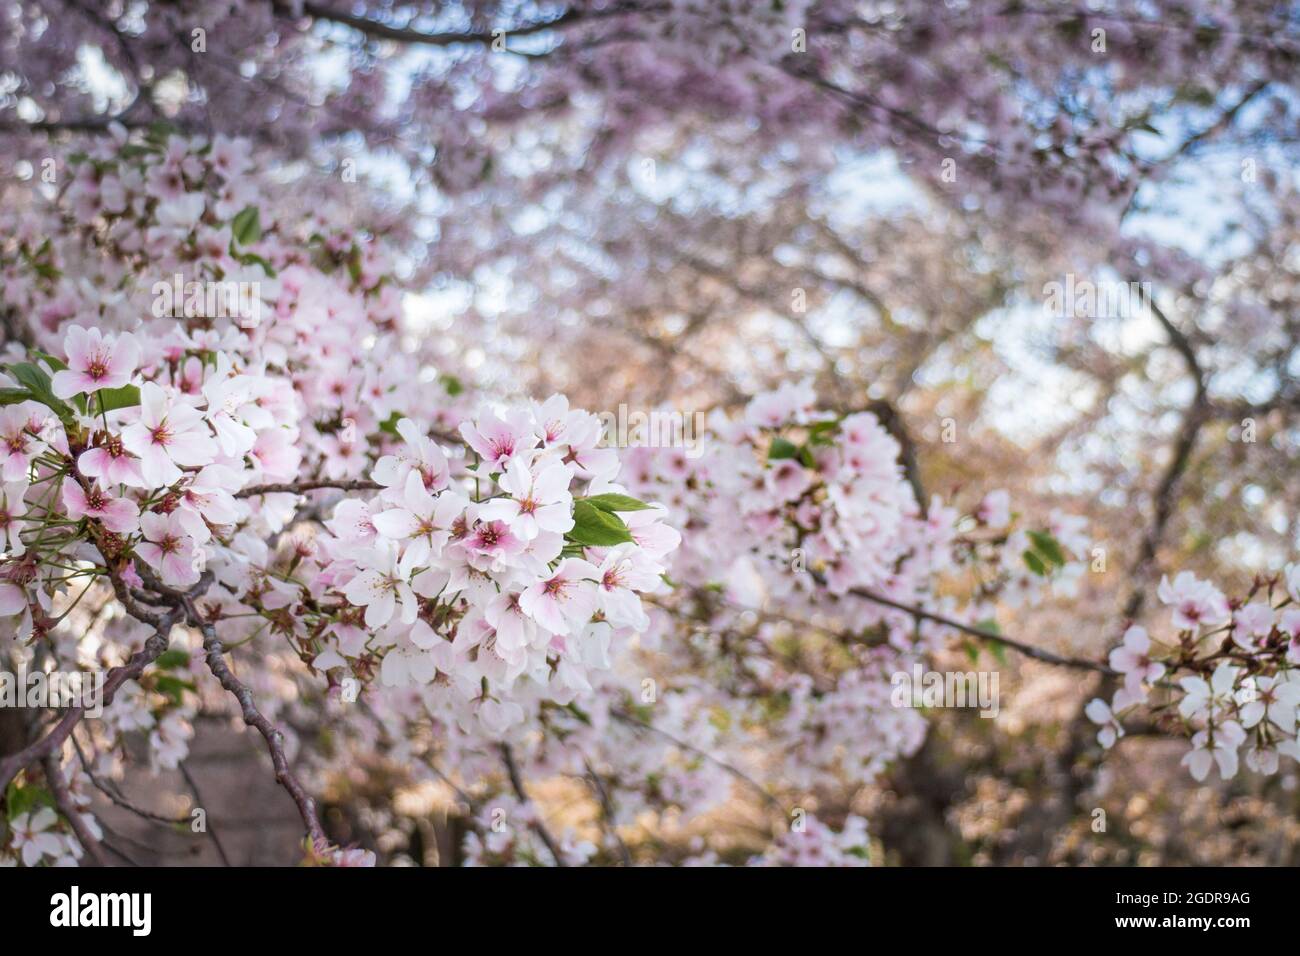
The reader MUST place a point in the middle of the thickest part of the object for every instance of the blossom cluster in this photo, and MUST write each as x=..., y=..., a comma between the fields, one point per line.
x=1230, y=666
x=469, y=589
x=529, y=565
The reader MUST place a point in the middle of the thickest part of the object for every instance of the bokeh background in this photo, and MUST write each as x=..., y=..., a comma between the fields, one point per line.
x=680, y=203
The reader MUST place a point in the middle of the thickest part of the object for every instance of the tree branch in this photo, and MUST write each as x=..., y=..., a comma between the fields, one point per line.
x=131, y=670
x=254, y=718
x=63, y=800
x=1037, y=653
x=517, y=783
x=301, y=487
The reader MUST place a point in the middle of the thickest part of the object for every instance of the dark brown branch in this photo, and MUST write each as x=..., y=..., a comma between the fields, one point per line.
x=63, y=800
x=1165, y=496
x=517, y=784
x=131, y=670
x=116, y=798
x=254, y=718
x=734, y=771
x=301, y=487
x=198, y=800
x=384, y=31
x=607, y=811
x=1037, y=653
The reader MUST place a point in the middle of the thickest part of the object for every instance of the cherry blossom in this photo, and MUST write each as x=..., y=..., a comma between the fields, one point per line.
x=1133, y=658
x=167, y=436
x=95, y=362
x=565, y=599
x=119, y=515
x=168, y=548
x=1196, y=603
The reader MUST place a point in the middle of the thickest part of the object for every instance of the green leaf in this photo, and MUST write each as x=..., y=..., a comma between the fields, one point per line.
x=159, y=132
x=1035, y=563
x=1048, y=547
x=246, y=227
x=21, y=800
x=38, y=383
x=253, y=259
x=822, y=433
x=453, y=385
x=389, y=425
x=173, y=658
x=60, y=366
x=172, y=686
x=12, y=396
x=111, y=399
x=781, y=448
x=996, y=648
x=591, y=526
x=612, y=502
x=57, y=364
x=578, y=712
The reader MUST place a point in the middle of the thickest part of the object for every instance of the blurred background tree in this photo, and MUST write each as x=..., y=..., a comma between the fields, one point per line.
x=680, y=203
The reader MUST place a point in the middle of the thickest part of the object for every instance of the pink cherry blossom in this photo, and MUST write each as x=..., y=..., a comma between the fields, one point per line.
x=564, y=600
x=384, y=581
x=168, y=549
x=111, y=463
x=12, y=509
x=1133, y=658
x=1195, y=603
x=95, y=361
x=1252, y=622
x=17, y=445
x=168, y=435
x=538, y=499
x=497, y=440
x=119, y=515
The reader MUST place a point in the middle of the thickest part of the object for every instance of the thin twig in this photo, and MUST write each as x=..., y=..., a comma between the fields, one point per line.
x=1037, y=653
x=301, y=487
x=63, y=800
x=517, y=783
x=607, y=812
x=131, y=670
x=216, y=661
x=198, y=802
x=734, y=771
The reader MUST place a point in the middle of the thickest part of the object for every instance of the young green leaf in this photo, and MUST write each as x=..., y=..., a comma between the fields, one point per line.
x=38, y=383
x=246, y=227
x=996, y=648
x=1035, y=563
x=173, y=658
x=781, y=448
x=111, y=399
x=1048, y=547
x=613, y=502
x=597, y=528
